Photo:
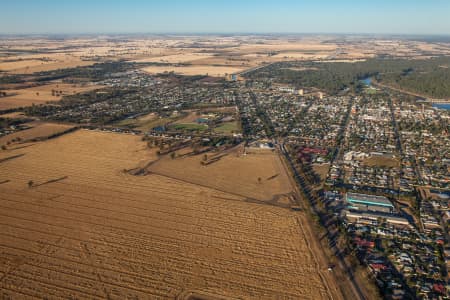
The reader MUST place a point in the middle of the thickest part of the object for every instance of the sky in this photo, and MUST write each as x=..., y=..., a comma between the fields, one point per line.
x=225, y=16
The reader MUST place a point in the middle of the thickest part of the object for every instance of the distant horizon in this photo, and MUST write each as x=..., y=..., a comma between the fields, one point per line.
x=193, y=34
x=82, y=17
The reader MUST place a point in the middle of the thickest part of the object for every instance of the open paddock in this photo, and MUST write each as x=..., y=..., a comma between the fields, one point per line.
x=38, y=130
x=14, y=115
x=381, y=161
x=191, y=70
x=41, y=94
x=176, y=58
x=42, y=63
x=248, y=175
x=284, y=45
x=228, y=127
x=301, y=55
x=74, y=225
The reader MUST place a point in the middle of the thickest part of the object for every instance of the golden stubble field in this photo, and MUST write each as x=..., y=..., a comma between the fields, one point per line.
x=37, y=130
x=42, y=63
x=85, y=229
x=42, y=94
x=203, y=54
x=191, y=70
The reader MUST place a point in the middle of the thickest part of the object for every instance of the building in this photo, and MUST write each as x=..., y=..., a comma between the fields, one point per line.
x=371, y=218
x=232, y=77
x=286, y=89
x=363, y=202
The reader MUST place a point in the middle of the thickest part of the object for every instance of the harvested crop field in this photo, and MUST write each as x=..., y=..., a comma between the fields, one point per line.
x=14, y=115
x=214, y=71
x=41, y=63
x=301, y=55
x=176, y=58
x=41, y=94
x=38, y=130
x=85, y=229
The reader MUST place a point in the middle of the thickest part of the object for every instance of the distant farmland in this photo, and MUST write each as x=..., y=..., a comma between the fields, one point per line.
x=41, y=94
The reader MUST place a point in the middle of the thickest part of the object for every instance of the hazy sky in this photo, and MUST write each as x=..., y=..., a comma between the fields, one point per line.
x=225, y=16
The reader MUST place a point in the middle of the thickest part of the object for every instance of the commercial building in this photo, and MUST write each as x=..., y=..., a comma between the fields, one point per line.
x=363, y=202
x=371, y=218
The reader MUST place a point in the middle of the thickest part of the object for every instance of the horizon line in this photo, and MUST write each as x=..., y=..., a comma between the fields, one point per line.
x=198, y=33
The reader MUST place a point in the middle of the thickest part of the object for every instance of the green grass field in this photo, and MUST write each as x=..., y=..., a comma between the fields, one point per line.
x=228, y=127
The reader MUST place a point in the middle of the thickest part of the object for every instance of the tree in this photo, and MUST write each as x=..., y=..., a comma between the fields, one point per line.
x=195, y=149
x=30, y=183
x=3, y=147
x=173, y=155
x=259, y=180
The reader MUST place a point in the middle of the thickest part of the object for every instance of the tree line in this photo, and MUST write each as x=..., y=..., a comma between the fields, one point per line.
x=430, y=77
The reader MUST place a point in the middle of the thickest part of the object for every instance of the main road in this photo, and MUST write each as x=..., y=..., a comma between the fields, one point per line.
x=358, y=292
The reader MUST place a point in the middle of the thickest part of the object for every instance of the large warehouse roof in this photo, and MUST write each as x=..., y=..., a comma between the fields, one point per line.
x=369, y=200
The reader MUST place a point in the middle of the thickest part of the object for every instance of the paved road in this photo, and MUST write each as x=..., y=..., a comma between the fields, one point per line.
x=357, y=291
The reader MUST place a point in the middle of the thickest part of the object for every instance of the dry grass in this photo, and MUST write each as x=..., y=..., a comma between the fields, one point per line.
x=232, y=173
x=381, y=161
x=283, y=45
x=41, y=94
x=190, y=117
x=148, y=117
x=215, y=71
x=343, y=60
x=14, y=115
x=88, y=230
x=321, y=170
x=301, y=55
x=41, y=63
x=176, y=58
x=237, y=61
x=38, y=130
x=147, y=122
